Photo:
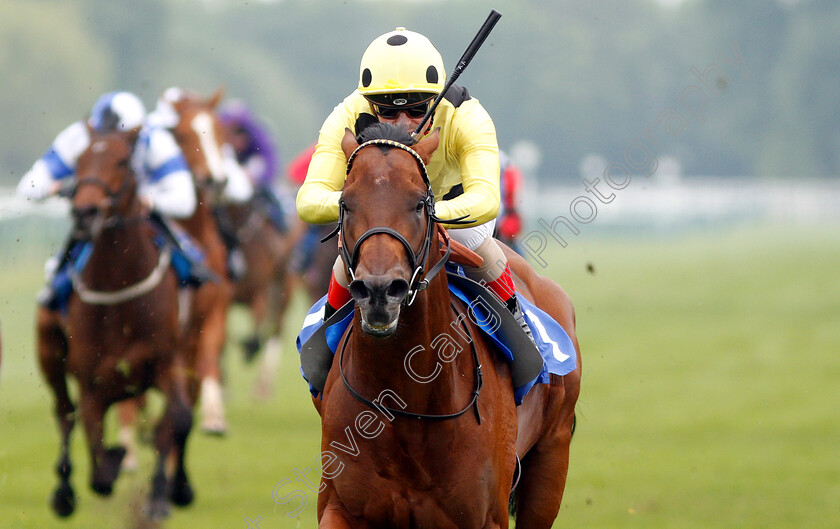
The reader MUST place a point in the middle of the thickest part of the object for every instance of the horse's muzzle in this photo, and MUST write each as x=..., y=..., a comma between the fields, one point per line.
x=379, y=299
x=84, y=220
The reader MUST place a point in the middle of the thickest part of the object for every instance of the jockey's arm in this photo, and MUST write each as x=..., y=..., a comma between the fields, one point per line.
x=48, y=174
x=168, y=187
x=317, y=198
x=473, y=138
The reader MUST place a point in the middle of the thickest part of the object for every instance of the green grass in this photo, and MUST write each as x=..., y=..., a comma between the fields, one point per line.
x=709, y=397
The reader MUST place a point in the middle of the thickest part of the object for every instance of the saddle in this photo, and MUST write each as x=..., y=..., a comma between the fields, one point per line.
x=460, y=253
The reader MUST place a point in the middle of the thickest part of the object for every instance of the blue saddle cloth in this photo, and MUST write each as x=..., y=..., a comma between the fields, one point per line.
x=554, y=344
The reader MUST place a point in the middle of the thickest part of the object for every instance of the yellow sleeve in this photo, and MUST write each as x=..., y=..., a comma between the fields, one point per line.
x=473, y=138
x=317, y=198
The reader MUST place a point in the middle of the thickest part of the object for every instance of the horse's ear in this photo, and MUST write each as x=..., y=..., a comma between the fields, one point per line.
x=349, y=143
x=427, y=146
x=216, y=98
x=132, y=135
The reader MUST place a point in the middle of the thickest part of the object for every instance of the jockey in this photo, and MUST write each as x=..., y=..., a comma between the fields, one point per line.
x=401, y=73
x=165, y=184
x=237, y=189
x=257, y=153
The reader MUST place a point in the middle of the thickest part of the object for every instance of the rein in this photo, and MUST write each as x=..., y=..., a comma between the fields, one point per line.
x=114, y=220
x=472, y=404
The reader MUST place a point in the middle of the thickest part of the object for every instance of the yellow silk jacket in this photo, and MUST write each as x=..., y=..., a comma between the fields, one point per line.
x=468, y=154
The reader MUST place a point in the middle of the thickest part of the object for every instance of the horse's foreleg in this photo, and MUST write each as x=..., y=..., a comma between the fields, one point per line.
x=259, y=309
x=545, y=467
x=105, y=463
x=171, y=438
x=127, y=414
x=333, y=515
x=278, y=304
x=52, y=356
x=210, y=345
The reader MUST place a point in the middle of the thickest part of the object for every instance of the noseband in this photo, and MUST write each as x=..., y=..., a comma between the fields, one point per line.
x=114, y=197
x=417, y=261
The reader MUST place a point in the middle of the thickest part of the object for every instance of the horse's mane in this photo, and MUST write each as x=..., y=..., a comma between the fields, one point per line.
x=384, y=131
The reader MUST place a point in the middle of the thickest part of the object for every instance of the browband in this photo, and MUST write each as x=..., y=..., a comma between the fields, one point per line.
x=398, y=145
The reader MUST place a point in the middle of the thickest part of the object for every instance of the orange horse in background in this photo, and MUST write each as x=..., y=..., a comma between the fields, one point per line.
x=200, y=136
x=120, y=335
x=399, y=452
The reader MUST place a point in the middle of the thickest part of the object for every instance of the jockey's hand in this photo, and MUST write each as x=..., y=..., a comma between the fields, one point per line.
x=62, y=188
x=510, y=225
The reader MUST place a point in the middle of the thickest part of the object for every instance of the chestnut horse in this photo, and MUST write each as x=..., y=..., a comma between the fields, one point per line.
x=200, y=135
x=120, y=333
x=400, y=451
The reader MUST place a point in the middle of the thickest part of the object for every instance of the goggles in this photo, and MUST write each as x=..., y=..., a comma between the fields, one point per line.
x=389, y=106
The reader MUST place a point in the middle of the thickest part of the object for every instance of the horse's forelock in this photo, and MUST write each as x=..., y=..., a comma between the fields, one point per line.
x=385, y=131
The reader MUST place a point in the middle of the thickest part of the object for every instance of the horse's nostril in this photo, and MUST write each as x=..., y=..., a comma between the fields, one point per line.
x=84, y=212
x=359, y=290
x=398, y=289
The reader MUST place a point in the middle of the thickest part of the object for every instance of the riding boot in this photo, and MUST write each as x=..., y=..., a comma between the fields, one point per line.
x=49, y=295
x=237, y=265
x=516, y=309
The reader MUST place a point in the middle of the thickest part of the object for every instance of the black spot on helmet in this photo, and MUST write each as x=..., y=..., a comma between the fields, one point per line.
x=431, y=74
x=397, y=40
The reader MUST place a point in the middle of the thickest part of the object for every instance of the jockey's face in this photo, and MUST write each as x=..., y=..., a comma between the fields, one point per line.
x=406, y=122
x=403, y=110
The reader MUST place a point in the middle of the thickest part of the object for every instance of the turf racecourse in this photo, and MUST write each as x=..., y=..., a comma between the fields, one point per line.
x=709, y=398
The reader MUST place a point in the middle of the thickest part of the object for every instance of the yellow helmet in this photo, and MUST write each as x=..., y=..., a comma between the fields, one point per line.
x=401, y=61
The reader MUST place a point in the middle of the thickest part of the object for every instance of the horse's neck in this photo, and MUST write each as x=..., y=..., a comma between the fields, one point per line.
x=121, y=255
x=201, y=219
x=426, y=329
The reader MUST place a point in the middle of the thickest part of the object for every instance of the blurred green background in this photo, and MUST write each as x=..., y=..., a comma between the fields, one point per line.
x=709, y=398
x=573, y=77
x=707, y=294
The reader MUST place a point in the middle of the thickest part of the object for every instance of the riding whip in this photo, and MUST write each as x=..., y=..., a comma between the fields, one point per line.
x=468, y=55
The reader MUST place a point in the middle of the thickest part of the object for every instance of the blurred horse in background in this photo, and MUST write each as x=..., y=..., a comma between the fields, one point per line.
x=199, y=134
x=120, y=334
x=266, y=285
x=318, y=260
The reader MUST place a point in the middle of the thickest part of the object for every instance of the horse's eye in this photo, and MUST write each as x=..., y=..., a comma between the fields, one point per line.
x=420, y=206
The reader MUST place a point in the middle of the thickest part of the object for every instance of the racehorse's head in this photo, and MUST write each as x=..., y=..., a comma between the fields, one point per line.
x=105, y=187
x=386, y=224
x=201, y=137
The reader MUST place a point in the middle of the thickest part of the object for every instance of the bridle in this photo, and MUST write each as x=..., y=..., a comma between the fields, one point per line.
x=417, y=261
x=142, y=287
x=418, y=281
x=113, y=197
